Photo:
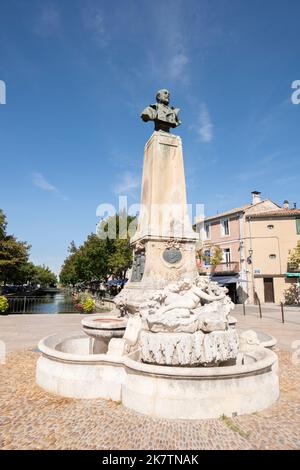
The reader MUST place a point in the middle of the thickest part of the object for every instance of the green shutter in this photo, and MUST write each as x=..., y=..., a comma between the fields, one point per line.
x=298, y=226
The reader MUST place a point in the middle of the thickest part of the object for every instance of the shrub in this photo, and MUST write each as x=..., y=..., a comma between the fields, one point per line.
x=291, y=295
x=88, y=305
x=3, y=304
x=84, y=302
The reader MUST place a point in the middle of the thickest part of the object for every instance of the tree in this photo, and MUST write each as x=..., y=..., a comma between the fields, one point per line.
x=43, y=276
x=15, y=268
x=103, y=254
x=217, y=256
x=214, y=257
x=292, y=295
x=294, y=255
x=13, y=255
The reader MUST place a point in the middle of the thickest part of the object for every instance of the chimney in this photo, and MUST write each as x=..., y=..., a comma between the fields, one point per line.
x=286, y=204
x=256, y=197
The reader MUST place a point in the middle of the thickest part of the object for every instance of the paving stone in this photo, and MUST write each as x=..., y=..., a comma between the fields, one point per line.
x=30, y=418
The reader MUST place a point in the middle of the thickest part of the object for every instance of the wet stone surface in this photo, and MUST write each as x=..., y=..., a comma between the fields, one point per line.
x=33, y=419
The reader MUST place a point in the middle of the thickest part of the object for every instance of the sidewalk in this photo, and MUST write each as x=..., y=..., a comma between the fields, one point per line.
x=25, y=331
x=291, y=314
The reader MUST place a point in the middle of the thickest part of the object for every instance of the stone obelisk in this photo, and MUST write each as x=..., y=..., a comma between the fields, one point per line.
x=164, y=243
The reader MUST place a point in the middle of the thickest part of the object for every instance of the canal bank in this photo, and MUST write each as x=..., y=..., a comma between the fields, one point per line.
x=49, y=303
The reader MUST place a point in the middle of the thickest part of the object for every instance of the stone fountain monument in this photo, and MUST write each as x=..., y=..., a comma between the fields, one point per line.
x=170, y=349
x=164, y=243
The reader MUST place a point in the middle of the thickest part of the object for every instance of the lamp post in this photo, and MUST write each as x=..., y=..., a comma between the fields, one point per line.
x=250, y=261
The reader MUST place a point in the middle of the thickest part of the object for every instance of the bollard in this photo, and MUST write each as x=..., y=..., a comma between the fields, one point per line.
x=282, y=312
x=244, y=308
x=259, y=306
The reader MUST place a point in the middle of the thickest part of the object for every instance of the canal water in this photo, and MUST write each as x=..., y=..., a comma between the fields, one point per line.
x=50, y=303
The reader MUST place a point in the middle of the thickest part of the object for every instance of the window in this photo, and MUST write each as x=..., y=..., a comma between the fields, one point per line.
x=226, y=255
x=270, y=227
x=206, y=257
x=225, y=227
x=298, y=226
x=272, y=256
x=207, y=231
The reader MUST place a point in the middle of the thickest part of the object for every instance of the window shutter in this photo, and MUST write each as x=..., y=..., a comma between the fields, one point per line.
x=298, y=226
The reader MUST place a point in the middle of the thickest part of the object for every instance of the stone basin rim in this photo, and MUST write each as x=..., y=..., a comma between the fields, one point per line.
x=260, y=366
x=47, y=347
x=97, y=322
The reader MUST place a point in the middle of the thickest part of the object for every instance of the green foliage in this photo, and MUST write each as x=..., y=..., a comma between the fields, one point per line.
x=44, y=276
x=88, y=305
x=85, y=303
x=3, y=304
x=217, y=256
x=292, y=295
x=13, y=255
x=202, y=256
x=294, y=255
x=100, y=256
x=14, y=265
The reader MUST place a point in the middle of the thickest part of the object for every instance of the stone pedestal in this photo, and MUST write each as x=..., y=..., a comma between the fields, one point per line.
x=164, y=212
x=164, y=244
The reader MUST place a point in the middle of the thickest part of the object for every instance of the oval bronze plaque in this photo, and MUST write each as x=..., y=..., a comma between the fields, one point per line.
x=172, y=255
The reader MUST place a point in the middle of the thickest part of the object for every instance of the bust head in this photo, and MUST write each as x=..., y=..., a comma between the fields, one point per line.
x=163, y=96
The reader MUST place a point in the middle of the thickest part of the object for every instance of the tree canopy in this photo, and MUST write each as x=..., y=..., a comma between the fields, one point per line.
x=15, y=267
x=103, y=254
x=294, y=255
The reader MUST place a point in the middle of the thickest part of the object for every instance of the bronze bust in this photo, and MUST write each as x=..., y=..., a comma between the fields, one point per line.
x=163, y=115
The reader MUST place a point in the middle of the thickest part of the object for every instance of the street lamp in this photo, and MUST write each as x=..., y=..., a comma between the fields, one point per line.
x=250, y=261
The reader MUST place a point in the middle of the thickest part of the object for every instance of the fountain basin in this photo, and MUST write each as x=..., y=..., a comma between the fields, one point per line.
x=201, y=392
x=68, y=368
x=102, y=328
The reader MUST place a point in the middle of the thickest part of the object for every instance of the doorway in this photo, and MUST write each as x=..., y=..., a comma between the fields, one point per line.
x=269, y=290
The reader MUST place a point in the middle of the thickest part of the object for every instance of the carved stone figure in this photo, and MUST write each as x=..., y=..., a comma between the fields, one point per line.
x=138, y=266
x=163, y=115
x=187, y=324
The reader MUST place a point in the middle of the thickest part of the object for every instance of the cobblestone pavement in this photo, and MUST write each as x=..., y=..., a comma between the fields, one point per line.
x=33, y=419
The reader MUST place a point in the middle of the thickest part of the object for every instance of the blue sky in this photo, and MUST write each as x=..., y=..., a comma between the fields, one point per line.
x=78, y=73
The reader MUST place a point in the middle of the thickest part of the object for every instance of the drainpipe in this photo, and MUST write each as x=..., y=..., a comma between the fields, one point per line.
x=251, y=255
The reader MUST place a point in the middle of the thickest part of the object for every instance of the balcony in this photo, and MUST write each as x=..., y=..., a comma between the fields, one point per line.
x=231, y=267
x=293, y=268
x=226, y=268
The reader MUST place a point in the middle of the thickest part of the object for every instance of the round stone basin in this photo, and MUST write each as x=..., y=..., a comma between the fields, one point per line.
x=102, y=328
x=67, y=367
x=201, y=392
x=101, y=322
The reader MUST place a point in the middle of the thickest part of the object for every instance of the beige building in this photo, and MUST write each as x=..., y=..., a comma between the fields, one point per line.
x=255, y=240
x=269, y=236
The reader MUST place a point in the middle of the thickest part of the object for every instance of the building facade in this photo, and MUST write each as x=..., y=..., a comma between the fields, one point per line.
x=254, y=241
x=269, y=238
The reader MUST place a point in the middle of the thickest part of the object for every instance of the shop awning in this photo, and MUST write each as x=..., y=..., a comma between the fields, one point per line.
x=227, y=279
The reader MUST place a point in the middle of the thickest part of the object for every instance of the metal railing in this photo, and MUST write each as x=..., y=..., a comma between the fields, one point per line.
x=24, y=304
x=42, y=304
x=229, y=267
